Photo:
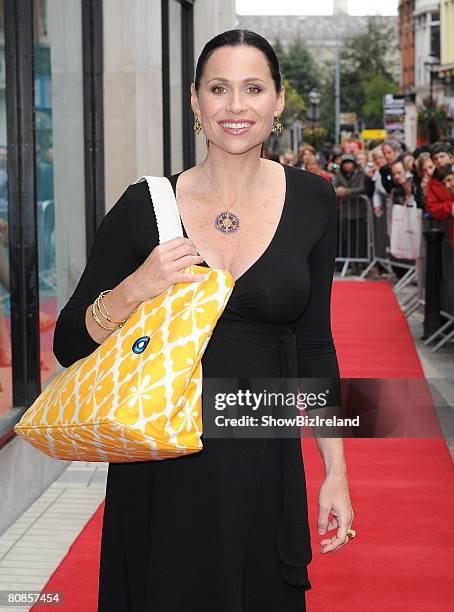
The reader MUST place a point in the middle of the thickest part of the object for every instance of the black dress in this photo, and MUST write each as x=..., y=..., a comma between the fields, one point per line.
x=226, y=529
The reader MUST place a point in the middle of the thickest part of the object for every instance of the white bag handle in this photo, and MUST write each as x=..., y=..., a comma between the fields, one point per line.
x=165, y=207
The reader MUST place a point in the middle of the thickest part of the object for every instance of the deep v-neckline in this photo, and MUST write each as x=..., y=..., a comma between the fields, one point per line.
x=174, y=181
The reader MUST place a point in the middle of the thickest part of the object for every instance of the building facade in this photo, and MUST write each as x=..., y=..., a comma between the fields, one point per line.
x=92, y=95
x=407, y=45
x=446, y=71
x=427, y=48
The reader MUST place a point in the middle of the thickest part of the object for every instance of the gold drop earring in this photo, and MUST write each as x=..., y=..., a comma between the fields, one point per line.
x=197, y=125
x=277, y=126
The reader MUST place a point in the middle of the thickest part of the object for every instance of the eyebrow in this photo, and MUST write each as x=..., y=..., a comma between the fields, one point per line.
x=227, y=80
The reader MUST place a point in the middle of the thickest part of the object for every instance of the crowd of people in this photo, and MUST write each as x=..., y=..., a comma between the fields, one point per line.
x=385, y=175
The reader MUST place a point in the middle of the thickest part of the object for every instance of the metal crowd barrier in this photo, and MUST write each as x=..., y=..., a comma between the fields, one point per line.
x=445, y=333
x=354, y=240
x=380, y=253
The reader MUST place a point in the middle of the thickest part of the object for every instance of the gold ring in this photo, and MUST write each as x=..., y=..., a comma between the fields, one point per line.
x=351, y=533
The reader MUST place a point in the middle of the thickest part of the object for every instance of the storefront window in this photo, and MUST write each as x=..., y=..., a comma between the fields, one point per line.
x=59, y=162
x=5, y=318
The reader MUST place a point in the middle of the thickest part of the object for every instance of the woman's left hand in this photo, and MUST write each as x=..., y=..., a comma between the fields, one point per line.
x=334, y=498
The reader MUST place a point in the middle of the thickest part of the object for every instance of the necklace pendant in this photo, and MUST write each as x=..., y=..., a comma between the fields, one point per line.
x=226, y=222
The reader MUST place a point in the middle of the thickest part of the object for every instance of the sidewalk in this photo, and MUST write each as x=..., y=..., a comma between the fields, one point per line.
x=32, y=548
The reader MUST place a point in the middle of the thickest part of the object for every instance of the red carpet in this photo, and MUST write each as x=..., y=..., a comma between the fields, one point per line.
x=402, y=490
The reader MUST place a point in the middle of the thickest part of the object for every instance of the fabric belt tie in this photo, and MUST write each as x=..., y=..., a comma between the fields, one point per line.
x=293, y=537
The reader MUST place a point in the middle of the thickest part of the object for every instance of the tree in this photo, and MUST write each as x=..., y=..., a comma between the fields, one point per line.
x=294, y=104
x=374, y=86
x=432, y=120
x=297, y=66
x=367, y=71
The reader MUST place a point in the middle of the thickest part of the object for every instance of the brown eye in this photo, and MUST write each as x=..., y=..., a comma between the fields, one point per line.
x=256, y=88
x=217, y=87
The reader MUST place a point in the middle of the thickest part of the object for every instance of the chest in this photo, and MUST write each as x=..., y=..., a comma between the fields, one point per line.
x=237, y=251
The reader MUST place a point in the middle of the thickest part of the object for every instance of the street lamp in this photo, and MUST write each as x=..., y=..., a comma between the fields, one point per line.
x=314, y=98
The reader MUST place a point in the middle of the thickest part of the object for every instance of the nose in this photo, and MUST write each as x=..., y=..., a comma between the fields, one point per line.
x=236, y=102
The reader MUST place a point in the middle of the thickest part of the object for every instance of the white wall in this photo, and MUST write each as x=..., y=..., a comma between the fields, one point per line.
x=422, y=20
x=132, y=93
x=133, y=85
x=211, y=17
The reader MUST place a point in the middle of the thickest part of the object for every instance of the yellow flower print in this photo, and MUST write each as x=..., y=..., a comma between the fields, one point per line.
x=181, y=325
x=183, y=357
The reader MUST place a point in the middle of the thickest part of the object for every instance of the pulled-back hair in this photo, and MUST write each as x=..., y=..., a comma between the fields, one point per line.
x=235, y=38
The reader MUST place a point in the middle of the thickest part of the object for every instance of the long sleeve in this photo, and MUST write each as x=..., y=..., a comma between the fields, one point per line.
x=115, y=254
x=317, y=356
x=439, y=202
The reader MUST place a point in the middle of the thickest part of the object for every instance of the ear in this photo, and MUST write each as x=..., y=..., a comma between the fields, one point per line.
x=280, y=102
x=194, y=100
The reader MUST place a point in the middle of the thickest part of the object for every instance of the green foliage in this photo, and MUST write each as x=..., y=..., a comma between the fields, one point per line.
x=374, y=86
x=366, y=73
x=316, y=136
x=432, y=120
x=298, y=67
x=366, y=76
x=294, y=104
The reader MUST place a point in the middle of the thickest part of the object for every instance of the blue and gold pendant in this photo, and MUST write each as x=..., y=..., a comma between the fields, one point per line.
x=226, y=222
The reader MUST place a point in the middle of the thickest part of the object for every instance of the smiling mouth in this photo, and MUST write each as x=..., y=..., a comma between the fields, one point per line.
x=232, y=127
x=236, y=124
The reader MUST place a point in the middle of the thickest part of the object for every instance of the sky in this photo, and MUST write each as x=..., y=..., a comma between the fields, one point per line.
x=308, y=7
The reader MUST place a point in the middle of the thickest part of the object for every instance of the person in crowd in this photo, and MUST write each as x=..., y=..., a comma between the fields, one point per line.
x=361, y=158
x=403, y=194
x=352, y=145
x=392, y=151
x=349, y=184
x=404, y=190
x=288, y=158
x=324, y=153
x=304, y=148
x=334, y=161
x=439, y=199
x=380, y=197
x=424, y=171
x=408, y=161
x=312, y=164
x=446, y=176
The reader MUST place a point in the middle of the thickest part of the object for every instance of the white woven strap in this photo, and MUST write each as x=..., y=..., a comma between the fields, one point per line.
x=165, y=207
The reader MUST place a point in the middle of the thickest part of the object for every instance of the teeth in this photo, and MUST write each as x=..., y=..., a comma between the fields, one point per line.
x=236, y=125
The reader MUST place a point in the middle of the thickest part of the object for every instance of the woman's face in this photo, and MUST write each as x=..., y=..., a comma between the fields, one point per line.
x=389, y=153
x=237, y=85
x=428, y=168
x=312, y=167
x=379, y=159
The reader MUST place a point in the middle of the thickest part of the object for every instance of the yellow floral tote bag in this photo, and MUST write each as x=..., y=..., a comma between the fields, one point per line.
x=138, y=396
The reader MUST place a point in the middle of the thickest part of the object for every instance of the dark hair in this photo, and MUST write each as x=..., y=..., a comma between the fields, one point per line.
x=235, y=38
x=422, y=149
x=442, y=173
x=398, y=161
x=441, y=147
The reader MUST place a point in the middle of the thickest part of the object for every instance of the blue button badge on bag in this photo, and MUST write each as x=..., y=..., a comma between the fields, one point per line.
x=140, y=344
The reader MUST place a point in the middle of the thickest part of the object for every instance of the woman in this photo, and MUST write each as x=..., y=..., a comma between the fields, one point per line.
x=224, y=530
x=424, y=171
x=392, y=151
x=312, y=164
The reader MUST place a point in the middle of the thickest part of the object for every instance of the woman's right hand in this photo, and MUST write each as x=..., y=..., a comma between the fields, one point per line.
x=163, y=266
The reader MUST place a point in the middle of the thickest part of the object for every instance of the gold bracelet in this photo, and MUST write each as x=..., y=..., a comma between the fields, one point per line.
x=100, y=302
x=120, y=323
x=98, y=321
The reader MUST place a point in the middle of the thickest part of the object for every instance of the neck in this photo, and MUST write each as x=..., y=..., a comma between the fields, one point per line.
x=232, y=174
